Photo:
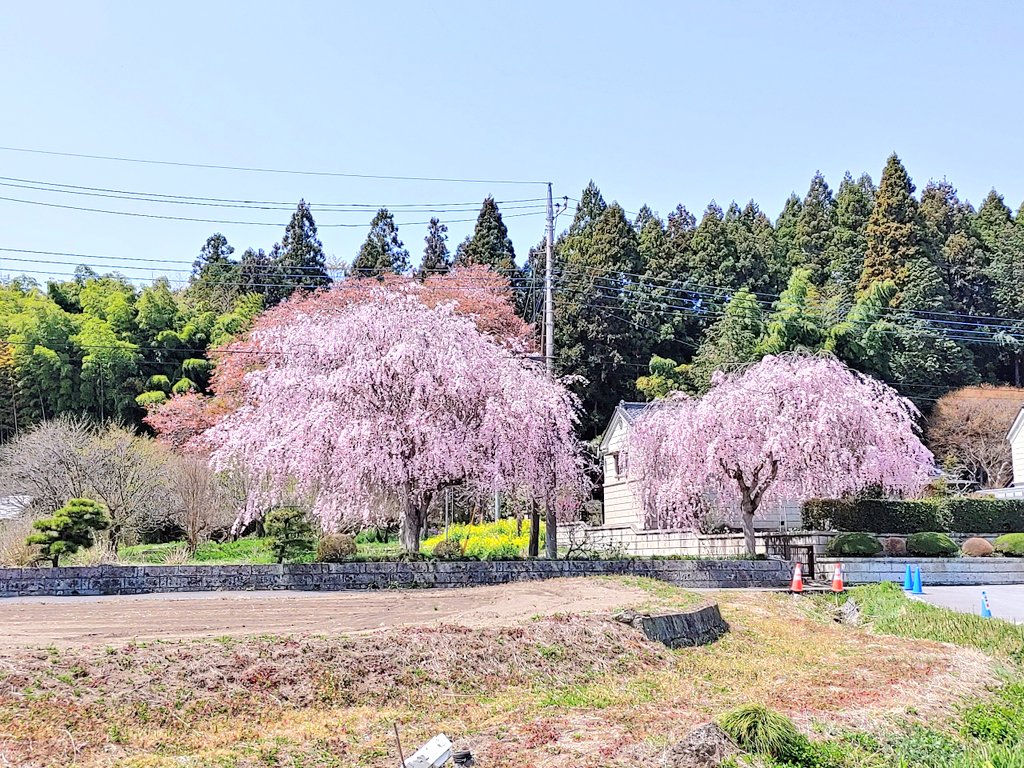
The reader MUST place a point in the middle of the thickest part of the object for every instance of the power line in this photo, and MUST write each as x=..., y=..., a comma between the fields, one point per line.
x=246, y=169
x=235, y=202
x=243, y=223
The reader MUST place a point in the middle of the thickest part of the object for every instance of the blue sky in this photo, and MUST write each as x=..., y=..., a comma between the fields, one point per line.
x=657, y=102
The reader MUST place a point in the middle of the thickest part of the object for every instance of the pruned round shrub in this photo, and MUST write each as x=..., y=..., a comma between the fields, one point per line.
x=1010, y=544
x=335, y=548
x=894, y=546
x=931, y=544
x=759, y=730
x=448, y=549
x=853, y=545
x=977, y=547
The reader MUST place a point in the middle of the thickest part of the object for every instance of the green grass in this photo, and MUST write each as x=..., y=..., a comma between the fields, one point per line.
x=888, y=611
x=251, y=550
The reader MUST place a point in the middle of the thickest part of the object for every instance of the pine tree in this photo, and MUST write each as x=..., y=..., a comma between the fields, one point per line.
x=713, y=268
x=490, y=244
x=214, y=283
x=1004, y=241
x=382, y=251
x=854, y=202
x=597, y=337
x=589, y=209
x=954, y=244
x=256, y=273
x=897, y=245
x=753, y=239
x=814, y=231
x=785, y=227
x=298, y=260
x=436, y=258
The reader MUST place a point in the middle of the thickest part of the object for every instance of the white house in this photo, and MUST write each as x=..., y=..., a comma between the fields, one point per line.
x=621, y=506
x=1016, y=439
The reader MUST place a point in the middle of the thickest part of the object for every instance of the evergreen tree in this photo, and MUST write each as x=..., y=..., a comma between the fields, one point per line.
x=257, y=273
x=730, y=342
x=814, y=231
x=1004, y=241
x=897, y=245
x=854, y=202
x=797, y=321
x=214, y=280
x=589, y=209
x=753, y=240
x=490, y=244
x=436, y=258
x=383, y=251
x=298, y=261
x=597, y=337
x=954, y=244
x=785, y=227
x=713, y=268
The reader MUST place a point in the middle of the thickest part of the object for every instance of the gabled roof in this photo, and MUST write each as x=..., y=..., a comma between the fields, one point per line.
x=626, y=412
x=1015, y=428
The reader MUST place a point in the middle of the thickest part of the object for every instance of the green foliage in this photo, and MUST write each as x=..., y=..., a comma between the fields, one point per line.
x=449, y=549
x=502, y=540
x=382, y=251
x=952, y=514
x=290, y=533
x=335, y=548
x=158, y=383
x=1011, y=544
x=759, y=730
x=666, y=376
x=889, y=612
x=490, y=244
x=854, y=545
x=1000, y=721
x=71, y=528
x=147, y=399
x=931, y=544
x=183, y=386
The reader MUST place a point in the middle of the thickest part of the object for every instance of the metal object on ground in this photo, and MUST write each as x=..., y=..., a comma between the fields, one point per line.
x=433, y=754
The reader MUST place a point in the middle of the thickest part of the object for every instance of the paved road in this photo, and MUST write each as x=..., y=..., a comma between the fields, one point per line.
x=1005, y=600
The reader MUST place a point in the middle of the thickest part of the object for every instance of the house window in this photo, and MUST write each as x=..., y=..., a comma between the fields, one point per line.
x=621, y=464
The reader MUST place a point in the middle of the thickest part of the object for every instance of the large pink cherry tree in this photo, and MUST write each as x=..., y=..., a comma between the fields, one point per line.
x=788, y=427
x=382, y=402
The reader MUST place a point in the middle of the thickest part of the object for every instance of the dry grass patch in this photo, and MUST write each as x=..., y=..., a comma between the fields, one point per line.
x=556, y=691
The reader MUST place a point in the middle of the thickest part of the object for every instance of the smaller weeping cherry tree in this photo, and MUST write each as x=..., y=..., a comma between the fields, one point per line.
x=382, y=403
x=791, y=427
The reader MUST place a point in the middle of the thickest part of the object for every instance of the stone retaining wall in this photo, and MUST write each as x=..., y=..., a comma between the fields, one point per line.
x=934, y=570
x=132, y=579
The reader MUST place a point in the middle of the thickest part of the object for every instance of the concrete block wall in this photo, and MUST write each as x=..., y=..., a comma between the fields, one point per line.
x=968, y=571
x=131, y=580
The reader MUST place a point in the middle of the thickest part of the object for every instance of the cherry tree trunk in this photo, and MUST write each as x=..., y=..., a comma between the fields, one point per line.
x=748, y=508
x=550, y=532
x=534, y=548
x=409, y=527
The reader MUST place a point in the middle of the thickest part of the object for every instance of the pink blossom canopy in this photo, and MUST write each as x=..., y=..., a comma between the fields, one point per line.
x=789, y=427
x=385, y=401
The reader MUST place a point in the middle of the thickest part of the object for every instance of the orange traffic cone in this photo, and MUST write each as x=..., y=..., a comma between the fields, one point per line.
x=837, y=578
x=797, y=584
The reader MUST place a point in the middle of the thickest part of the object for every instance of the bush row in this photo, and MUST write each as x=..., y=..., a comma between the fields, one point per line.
x=923, y=544
x=948, y=514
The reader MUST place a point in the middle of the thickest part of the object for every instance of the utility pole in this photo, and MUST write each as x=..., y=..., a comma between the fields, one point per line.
x=550, y=523
x=549, y=304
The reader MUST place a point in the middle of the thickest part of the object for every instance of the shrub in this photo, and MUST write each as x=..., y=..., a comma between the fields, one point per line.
x=448, y=549
x=488, y=541
x=335, y=548
x=15, y=551
x=977, y=547
x=158, y=383
x=72, y=527
x=853, y=545
x=147, y=399
x=931, y=544
x=1012, y=545
x=953, y=514
x=759, y=730
x=290, y=533
x=183, y=386
x=894, y=546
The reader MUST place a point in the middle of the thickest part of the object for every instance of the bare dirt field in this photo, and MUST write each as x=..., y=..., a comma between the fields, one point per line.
x=69, y=621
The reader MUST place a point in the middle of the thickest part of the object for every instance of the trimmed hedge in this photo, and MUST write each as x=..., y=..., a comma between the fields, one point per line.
x=931, y=544
x=853, y=545
x=1012, y=545
x=949, y=514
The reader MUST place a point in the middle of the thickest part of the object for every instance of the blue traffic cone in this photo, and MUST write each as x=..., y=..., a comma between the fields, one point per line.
x=918, y=585
x=908, y=580
x=986, y=612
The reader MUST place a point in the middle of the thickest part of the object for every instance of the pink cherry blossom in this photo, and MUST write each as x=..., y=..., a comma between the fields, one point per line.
x=381, y=402
x=788, y=427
